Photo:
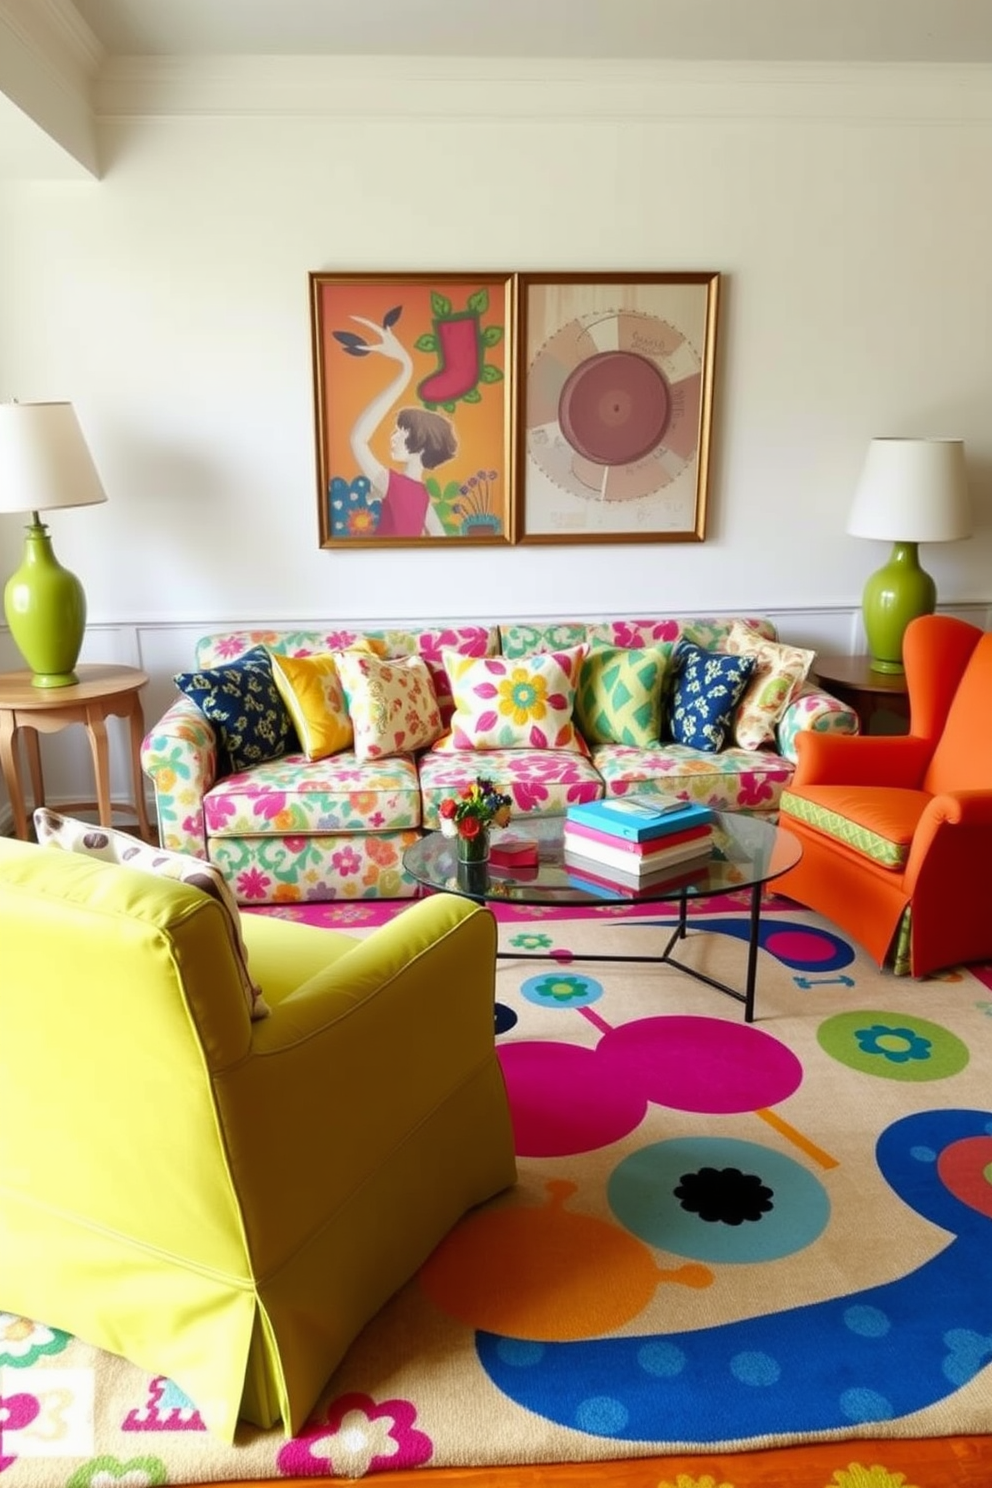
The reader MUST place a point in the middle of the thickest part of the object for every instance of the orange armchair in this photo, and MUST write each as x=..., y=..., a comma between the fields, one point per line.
x=897, y=832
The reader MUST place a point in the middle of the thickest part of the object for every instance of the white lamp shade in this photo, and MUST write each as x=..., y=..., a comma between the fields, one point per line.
x=44, y=460
x=912, y=490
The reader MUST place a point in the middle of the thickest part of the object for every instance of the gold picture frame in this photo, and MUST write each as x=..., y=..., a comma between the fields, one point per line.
x=414, y=408
x=615, y=406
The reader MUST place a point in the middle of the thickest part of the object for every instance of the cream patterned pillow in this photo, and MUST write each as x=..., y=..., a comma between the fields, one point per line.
x=779, y=672
x=311, y=689
x=71, y=835
x=392, y=704
x=521, y=702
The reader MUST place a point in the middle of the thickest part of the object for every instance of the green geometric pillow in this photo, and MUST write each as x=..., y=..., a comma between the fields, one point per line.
x=618, y=699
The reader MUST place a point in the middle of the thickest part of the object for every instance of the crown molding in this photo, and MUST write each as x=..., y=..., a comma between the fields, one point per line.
x=487, y=89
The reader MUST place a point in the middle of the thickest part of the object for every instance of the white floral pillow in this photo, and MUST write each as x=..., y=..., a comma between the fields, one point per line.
x=392, y=704
x=520, y=702
x=779, y=673
x=66, y=832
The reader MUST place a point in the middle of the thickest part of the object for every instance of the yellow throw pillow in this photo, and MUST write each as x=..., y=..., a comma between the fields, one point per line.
x=779, y=672
x=71, y=835
x=311, y=689
x=392, y=704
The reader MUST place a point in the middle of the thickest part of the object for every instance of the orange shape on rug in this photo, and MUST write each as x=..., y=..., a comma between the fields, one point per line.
x=537, y=1273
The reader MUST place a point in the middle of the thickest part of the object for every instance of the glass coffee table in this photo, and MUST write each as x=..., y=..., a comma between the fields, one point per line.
x=746, y=854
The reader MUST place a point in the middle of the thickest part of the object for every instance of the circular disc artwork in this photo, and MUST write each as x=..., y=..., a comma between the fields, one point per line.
x=613, y=405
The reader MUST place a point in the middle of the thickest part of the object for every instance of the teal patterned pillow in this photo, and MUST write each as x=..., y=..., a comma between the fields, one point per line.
x=618, y=699
x=243, y=703
x=708, y=687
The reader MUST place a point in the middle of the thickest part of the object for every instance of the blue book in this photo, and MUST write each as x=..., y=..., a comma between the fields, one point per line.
x=639, y=818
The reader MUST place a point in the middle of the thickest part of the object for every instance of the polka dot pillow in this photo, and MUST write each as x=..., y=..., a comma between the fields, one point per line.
x=522, y=702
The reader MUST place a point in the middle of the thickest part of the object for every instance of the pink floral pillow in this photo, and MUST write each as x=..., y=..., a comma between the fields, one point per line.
x=392, y=704
x=522, y=702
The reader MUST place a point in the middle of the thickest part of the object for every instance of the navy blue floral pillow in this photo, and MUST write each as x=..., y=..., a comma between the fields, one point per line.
x=708, y=687
x=243, y=703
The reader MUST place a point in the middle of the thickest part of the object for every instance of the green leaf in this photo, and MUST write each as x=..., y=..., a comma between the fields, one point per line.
x=490, y=373
x=479, y=302
x=448, y=407
x=492, y=335
x=426, y=342
x=472, y=396
x=440, y=305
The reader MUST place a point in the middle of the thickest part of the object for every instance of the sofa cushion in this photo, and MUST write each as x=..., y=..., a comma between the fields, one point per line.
x=619, y=696
x=392, y=704
x=526, y=703
x=542, y=782
x=879, y=824
x=314, y=697
x=294, y=798
x=779, y=673
x=71, y=835
x=242, y=701
x=731, y=780
x=708, y=687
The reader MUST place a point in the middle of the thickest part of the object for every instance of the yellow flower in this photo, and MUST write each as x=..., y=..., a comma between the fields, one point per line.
x=684, y=1481
x=856, y=1476
x=522, y=696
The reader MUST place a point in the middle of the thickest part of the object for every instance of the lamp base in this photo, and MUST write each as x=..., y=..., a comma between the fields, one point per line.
x=896, y=594
x=46, y=612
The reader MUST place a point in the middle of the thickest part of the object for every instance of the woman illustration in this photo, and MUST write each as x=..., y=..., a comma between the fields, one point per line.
x=419, y=441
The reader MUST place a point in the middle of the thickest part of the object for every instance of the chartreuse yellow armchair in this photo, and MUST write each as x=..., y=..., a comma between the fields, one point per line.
x=223, y=1201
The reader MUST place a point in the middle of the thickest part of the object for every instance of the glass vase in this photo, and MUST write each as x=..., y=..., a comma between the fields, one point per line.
x=473, y=849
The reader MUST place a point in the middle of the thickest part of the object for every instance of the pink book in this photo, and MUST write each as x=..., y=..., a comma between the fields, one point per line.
x=646, y=846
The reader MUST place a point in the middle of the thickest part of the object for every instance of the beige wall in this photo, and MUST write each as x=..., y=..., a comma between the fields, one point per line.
x=848, y=210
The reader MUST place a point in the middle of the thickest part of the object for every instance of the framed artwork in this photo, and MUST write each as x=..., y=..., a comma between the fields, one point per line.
x=414, y=405
x=615, y=393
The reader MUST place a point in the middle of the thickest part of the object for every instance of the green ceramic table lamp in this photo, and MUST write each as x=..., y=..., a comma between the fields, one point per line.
x=45, y=463
x=911, y=491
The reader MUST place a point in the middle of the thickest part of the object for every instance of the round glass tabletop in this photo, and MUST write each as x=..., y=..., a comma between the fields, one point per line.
x=744, y=851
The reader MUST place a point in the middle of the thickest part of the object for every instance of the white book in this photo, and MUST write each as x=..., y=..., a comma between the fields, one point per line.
x=633, y=867
x=693, y=852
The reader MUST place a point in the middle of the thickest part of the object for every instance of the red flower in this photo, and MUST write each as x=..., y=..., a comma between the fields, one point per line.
x=447, y=808
x=469, y=827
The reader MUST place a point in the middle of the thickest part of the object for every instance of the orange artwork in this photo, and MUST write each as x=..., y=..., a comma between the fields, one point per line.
x=413, y=395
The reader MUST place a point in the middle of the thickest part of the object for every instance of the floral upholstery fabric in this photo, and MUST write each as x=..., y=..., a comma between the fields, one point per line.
x=708, y=632
x=293, y=829
x=281, y=870
x=732, y=780
x=295, y=797
x=541, y=781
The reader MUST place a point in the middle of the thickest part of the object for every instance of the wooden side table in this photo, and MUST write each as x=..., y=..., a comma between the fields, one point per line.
x=100, y=693
x=851, y=679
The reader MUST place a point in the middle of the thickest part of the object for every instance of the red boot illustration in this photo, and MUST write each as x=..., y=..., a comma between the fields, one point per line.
x=460, y=353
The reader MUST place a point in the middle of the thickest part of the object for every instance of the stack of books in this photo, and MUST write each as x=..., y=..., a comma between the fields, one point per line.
x=634, y=842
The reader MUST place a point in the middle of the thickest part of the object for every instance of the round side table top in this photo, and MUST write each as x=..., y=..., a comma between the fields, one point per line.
x=96, y=680
x=857, y=672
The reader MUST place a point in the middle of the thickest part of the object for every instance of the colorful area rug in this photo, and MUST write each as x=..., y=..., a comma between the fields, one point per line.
x=724, y=1239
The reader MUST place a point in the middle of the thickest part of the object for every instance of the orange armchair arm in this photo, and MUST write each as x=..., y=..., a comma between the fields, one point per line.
x=949, y=814
x=844, y=759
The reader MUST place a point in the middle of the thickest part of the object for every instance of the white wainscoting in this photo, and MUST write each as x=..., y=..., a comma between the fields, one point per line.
x=164, y=648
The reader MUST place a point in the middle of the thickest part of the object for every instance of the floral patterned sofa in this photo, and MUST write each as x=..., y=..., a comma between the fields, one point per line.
x=294, y=829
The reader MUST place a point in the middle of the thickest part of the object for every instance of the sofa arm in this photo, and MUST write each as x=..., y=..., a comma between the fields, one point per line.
x=817, y=710
x=179, y=756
